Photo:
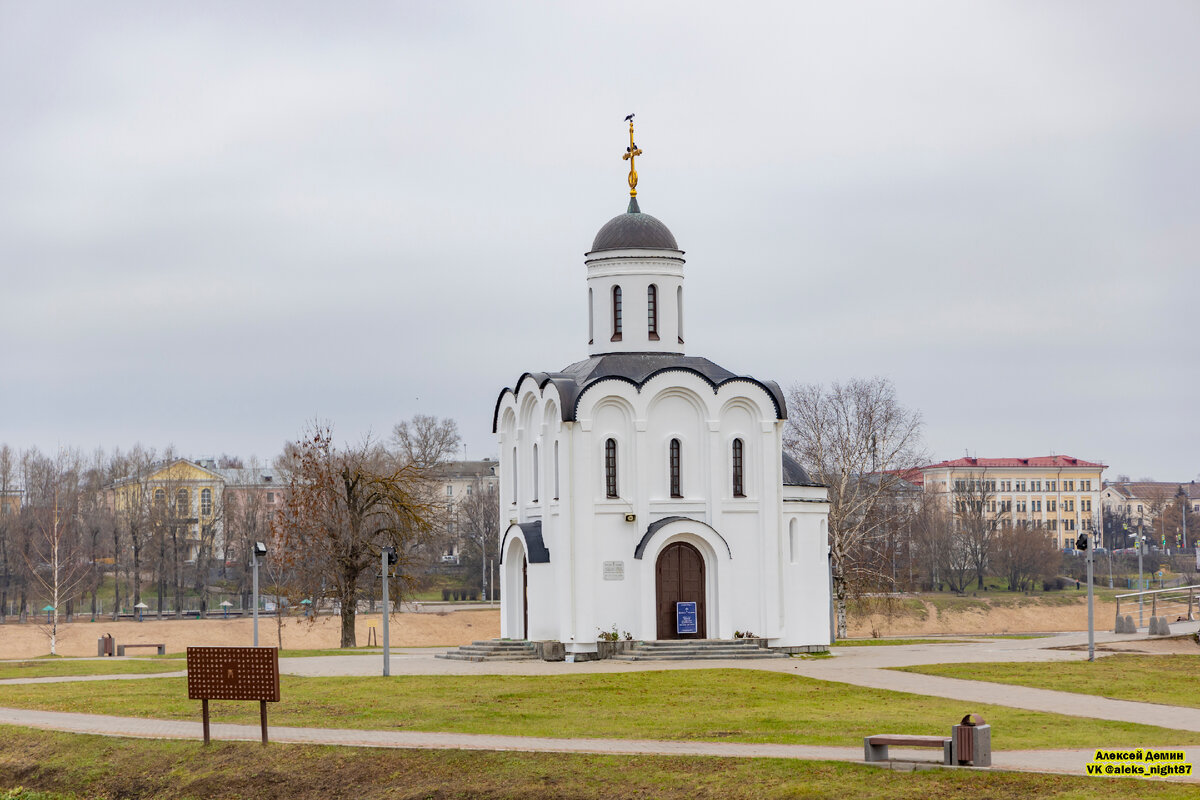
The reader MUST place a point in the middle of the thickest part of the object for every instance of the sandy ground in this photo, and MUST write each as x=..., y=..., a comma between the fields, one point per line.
x=427, y=629
x=1026, y=619
x=449, y=629
x=1173, y=646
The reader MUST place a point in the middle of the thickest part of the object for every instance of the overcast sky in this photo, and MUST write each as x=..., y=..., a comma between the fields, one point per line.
x=220, y=220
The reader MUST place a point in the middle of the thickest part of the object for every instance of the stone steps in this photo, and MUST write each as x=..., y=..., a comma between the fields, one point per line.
x=492, y=650
x=698, y=650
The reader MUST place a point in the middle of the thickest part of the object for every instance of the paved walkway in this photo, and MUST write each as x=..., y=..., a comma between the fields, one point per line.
x=1056, y=761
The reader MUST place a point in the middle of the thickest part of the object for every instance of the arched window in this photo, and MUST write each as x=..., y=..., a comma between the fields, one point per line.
x=610, y=468
x=675, y=487
x=160, y=498
x=183, y=502
x=679, y=311
x=514, y=475
x=591, y=316
x=535, y=473
x=616, y=313
x=739, y=472
x=556, y=469
x=792, y=534
x=206, y=502
x=652, y=312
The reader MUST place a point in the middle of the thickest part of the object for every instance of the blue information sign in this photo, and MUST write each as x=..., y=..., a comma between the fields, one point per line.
x=685, y=618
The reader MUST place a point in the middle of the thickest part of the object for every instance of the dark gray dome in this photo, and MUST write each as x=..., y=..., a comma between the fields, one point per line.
x=634, y=230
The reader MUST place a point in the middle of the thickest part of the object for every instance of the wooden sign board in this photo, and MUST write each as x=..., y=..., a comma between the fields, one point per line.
x=233, y=673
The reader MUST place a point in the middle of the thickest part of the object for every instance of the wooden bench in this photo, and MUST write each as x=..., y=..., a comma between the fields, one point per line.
x=161, y=648
x=875, y=748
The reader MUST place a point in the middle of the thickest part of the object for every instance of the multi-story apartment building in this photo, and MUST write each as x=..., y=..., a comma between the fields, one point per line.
x=1059, y=494
x=459, y=480
x=198, y=499
x=1154, y=508
x=181, y=495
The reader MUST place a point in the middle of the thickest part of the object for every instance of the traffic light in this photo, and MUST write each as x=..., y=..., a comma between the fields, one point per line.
x=1082, y=542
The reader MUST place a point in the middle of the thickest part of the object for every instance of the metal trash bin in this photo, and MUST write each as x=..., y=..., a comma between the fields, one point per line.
x=104, y=645
x=972, y=742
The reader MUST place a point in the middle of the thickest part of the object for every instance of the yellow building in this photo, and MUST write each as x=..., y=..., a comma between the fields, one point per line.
x=1059, y=494
x=10, y=501
x=176, y=494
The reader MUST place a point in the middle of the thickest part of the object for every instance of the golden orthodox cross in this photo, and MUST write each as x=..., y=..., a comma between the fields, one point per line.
x=630, y=153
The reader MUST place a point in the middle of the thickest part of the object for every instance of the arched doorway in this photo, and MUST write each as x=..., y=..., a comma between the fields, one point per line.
x=679, y=578
x=514, y=599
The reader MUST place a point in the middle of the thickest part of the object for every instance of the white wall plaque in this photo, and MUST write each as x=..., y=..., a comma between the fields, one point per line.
x=614, y=570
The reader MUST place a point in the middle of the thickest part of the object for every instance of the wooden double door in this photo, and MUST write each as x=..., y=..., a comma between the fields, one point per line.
x=680, y=579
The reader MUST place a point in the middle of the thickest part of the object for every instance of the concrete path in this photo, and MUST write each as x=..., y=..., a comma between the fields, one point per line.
x=83, y=678
x=1055, y=761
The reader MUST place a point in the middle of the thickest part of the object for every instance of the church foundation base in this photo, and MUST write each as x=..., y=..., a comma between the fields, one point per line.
x=550, y=650
x=804, y=648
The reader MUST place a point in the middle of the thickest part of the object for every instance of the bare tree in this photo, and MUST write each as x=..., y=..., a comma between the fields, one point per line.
x=1023, y=554
x=957, y=561
x=56, y=559
x=1157, y=498
x=8, y=524
x=133, y=505
x=246, y=522
x=95, y=520
x=426, y=441
x=859, y=441
x=342, y=506
x=977, y=515
x=930, y=527
x=479, y=524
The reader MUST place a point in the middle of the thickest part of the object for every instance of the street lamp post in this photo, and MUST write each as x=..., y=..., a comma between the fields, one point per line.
x=388, y=558
x=1091, y=557
x=260, y=549
x=1141, y=586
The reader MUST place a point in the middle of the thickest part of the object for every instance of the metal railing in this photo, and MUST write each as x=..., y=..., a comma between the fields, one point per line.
x=1178, y=603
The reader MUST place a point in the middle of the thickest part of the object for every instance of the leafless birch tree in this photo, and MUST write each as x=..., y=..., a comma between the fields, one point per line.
x=858, y=440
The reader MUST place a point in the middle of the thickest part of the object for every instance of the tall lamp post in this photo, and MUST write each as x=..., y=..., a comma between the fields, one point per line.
x=387, y=559
x=260, y=550
x=1141, y=542
x=1087, y=543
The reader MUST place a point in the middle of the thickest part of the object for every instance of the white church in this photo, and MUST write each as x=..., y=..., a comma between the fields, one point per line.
x=646, y=489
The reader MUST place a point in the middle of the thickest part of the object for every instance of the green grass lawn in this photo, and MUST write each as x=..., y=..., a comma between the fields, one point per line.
x=1168, y=679
x=734, y=705
x=60, y=766
x=57, y=668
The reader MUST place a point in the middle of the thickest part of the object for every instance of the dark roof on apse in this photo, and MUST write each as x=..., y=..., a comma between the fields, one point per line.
x=794, y=474
x=575, y=379
x=634, y=230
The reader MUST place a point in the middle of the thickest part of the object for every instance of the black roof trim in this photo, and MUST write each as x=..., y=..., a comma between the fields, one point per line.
x=532, y=531
x=636, y=369
x=658, y=525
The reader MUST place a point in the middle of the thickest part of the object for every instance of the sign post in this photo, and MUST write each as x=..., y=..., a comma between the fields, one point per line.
x=685, y=618
x=233, y=673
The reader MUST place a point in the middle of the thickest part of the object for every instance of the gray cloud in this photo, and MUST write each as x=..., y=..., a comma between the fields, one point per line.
x=218, y=221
